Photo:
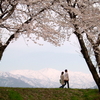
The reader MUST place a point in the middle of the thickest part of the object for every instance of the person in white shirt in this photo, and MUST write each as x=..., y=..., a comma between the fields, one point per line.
x=66, y=78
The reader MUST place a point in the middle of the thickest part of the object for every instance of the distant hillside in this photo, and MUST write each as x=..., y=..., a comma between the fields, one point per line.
x=12, y=82
x=45, y=78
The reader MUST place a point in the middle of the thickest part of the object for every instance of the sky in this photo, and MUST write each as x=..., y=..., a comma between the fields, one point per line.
x=21, y=55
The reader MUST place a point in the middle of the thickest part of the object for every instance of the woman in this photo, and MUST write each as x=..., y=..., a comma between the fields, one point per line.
x=62, y=80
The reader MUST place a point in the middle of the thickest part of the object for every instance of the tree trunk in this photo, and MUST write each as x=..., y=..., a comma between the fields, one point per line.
x=86, y=56
x=3, y=47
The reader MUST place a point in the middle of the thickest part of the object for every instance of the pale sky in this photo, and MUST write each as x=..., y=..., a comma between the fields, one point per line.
x=20, y=55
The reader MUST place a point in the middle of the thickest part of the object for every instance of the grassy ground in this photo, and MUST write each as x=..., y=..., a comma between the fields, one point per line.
x=48, y=94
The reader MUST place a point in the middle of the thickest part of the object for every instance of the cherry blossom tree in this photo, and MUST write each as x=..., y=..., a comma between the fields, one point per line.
x=53, y=20
x=83, y=17
x=25, y=18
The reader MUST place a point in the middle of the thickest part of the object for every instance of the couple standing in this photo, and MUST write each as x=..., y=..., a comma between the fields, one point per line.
x=64, y=79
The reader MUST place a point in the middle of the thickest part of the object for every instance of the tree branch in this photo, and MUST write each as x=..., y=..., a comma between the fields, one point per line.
x=3, y=47
x=7, y=13
x=95, y=48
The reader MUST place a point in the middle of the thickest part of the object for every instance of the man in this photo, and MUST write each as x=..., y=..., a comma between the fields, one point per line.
x=66, y=78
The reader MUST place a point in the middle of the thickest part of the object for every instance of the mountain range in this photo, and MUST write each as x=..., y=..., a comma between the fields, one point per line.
x=45, y=78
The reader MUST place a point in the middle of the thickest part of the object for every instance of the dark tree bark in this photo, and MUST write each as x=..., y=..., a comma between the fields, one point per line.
x=87, y=58
x=3, y=47
x=84, y=49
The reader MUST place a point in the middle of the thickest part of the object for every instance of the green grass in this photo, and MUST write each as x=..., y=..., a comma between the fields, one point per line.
x=14, y=95
x=48, y=94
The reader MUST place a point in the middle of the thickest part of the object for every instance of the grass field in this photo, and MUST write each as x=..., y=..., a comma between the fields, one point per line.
x=48, y=94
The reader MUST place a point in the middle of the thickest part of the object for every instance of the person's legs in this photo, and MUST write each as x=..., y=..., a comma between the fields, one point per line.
x=67, y=83
x=62, y=86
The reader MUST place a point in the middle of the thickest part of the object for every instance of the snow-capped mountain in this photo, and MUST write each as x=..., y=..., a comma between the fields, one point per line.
x=9, y=80
x=45, y=78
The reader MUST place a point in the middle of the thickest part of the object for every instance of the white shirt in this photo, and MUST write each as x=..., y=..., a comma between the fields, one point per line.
x=66, y=77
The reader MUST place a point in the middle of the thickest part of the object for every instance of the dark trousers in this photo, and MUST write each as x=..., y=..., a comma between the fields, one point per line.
x=62, y=86
x=66, y=82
